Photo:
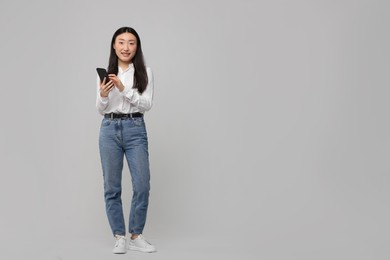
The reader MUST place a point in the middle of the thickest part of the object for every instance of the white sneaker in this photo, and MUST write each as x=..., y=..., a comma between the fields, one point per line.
x=140, y=244
x=120, y=245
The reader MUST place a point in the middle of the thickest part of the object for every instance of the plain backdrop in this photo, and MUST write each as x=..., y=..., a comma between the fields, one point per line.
x=269, y=135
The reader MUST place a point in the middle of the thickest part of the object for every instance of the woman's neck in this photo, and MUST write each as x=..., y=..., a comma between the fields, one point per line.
x=123, y=65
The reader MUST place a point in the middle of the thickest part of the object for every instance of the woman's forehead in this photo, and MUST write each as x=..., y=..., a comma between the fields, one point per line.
x=126, y=36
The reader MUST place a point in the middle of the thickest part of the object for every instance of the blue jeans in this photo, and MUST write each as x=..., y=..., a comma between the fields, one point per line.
x=119, y=138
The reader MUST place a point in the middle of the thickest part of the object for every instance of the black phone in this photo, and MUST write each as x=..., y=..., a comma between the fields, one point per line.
x=103, y=74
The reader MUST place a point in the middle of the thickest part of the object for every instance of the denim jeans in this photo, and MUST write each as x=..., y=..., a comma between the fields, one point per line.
x=119, y=138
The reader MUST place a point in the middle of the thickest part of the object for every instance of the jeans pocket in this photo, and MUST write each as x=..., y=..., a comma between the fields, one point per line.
x=138, y=121
x=105, y=122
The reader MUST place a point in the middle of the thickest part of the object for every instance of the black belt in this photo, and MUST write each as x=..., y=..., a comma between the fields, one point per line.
x=113, y=115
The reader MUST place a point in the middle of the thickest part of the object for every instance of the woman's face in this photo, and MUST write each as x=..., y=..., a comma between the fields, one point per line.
x=125, y=46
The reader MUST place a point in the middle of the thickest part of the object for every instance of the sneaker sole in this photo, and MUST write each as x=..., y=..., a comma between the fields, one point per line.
x=134, y=248
x=121, y=252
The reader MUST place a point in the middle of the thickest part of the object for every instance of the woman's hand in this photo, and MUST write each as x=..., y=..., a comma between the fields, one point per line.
x=117, y=82
x=105, y=88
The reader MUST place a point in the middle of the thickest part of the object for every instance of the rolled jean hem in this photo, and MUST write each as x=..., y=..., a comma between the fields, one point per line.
x=135, y=232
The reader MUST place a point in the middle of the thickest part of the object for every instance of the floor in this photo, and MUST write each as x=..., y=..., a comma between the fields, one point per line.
x=188, y=248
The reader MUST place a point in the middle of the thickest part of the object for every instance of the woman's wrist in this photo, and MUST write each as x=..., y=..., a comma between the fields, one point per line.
x=121, y=87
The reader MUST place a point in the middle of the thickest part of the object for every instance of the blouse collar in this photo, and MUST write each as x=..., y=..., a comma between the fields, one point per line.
x=131, y=66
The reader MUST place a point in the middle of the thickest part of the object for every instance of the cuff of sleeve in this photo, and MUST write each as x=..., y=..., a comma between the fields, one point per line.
x=104, y=100
x=127, y=92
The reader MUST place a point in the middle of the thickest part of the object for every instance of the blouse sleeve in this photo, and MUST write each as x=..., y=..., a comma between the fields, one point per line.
x=144, y=101
x=101, y=102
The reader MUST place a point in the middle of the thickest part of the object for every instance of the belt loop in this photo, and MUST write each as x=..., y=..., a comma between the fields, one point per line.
x=131, y=115
x=112, y=116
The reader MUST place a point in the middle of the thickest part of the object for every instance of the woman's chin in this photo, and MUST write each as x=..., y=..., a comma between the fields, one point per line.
x=125, y=59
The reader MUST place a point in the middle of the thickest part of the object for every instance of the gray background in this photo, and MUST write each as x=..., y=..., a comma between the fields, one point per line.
x=268, y=136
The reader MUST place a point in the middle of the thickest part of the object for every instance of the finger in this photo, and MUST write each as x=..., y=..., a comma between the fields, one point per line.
x=112, y=80
x=101, y=85
x=107, y=84
x=113, y=77
x=108, y=87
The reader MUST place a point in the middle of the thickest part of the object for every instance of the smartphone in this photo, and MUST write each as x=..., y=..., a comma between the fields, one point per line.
x=103, y=74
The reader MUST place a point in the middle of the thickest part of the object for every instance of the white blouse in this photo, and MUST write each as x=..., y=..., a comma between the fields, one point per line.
x=129, y=100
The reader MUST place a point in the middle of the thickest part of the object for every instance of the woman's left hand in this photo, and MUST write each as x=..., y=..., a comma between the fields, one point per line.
x=117, y=82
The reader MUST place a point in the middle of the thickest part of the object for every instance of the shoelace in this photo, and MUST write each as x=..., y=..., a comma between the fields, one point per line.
x=118, y=239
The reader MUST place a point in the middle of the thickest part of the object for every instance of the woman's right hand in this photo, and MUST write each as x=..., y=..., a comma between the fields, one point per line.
x=105, y=88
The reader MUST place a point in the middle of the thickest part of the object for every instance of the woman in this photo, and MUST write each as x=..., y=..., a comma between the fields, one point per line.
x=123, y=99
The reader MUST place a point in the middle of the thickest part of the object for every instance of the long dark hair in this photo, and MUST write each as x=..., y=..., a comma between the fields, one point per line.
x=140, y=75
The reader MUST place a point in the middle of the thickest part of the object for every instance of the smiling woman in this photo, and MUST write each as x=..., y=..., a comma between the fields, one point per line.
x=126, y=49
x=122, y=101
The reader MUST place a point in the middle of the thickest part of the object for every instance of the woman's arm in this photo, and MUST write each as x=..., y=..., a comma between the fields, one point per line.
x=101, y=102
x=144, y=101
